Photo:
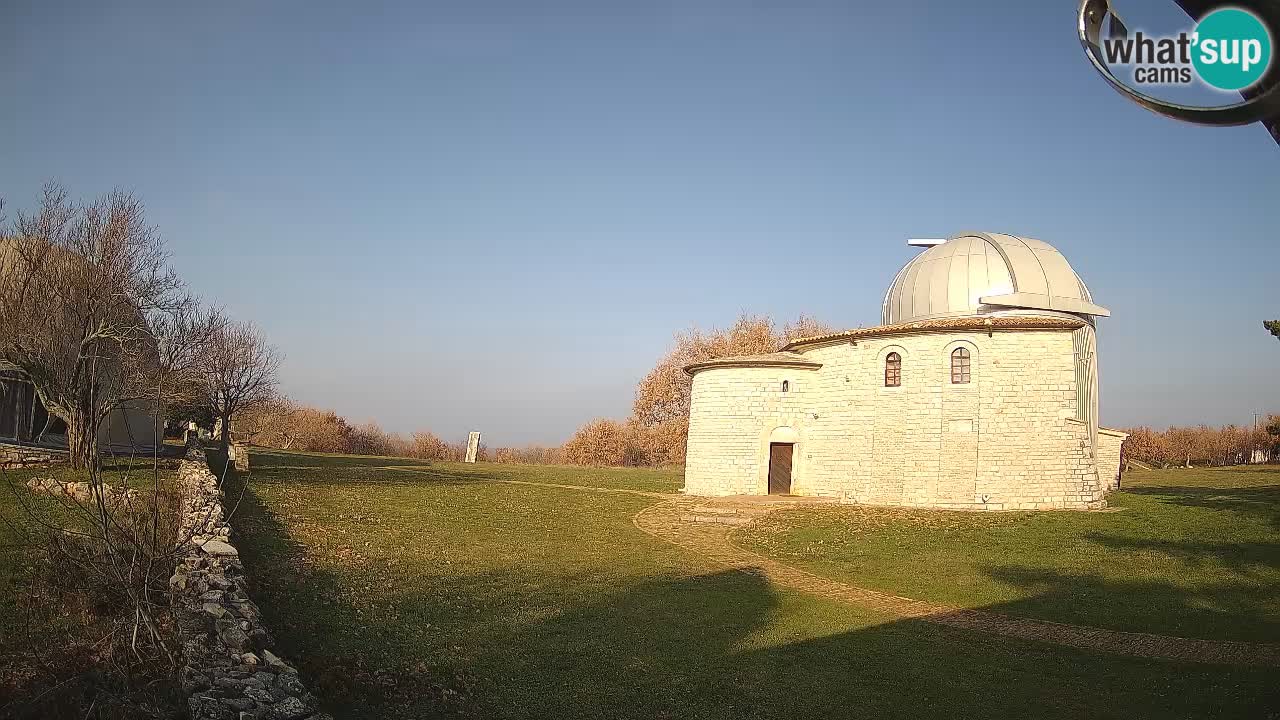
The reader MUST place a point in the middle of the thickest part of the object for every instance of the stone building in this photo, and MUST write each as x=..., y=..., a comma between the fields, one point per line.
x=979, y=391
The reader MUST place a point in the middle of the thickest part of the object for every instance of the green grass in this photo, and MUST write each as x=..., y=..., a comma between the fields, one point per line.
x=1194, y=553
x=405, y=590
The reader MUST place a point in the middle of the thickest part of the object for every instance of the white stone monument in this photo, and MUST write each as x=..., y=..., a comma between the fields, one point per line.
x=473, y=446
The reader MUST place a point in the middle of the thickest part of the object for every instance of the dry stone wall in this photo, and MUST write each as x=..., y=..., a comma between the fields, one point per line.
x=19, y=456
x=229, y=671
x=1009, y=439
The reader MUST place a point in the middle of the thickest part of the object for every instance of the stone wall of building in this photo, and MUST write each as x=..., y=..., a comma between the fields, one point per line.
x=229, y=671
x=1009, y=439
x=736, y=411
x=1110, y=443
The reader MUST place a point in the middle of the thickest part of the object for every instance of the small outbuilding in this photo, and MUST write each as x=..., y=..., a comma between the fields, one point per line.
x=978, y=391
x=27, y=428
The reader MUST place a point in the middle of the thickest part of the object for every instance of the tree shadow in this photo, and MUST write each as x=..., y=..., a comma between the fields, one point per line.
x=1234, y=609
x=1245, y=559
x=1262, y=502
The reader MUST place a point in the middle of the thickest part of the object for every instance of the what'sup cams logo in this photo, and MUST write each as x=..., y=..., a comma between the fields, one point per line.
x=1229, y=48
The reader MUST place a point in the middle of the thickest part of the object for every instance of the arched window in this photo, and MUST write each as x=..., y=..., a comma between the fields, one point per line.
x=786, y=386
x=893, y=370
x=960, y=366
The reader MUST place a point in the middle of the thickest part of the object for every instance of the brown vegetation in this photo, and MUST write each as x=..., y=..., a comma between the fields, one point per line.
x=1203, y=445
x=285, y=425
x=599, y=442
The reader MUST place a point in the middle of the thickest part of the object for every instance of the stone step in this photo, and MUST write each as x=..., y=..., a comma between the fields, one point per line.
x=717, y=519
x=710, y=510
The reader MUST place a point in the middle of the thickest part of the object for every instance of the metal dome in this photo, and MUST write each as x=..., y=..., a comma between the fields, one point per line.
x=976, y=273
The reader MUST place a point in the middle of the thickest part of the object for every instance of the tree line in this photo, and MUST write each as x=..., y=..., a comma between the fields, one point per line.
x=1202, y=445
x=286, y=425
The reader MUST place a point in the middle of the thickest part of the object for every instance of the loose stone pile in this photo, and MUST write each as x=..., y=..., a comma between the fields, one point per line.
x=229, y=672
x=81, y=491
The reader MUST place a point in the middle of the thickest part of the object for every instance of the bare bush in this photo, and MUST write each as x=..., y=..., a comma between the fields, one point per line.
x=529, y=455
x=599, y=443
x=317, y=430
x=267, y=424
x=371, y=439
x=426, y=446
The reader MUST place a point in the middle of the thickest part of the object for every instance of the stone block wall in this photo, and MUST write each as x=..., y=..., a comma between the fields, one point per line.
x=229, y=671
x=736, y=411
x=1009, y=439
x=18, y=456
x=1110, y=444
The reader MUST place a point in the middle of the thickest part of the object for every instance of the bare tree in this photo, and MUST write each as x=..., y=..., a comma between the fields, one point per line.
x=240, y=373
x=88, y=307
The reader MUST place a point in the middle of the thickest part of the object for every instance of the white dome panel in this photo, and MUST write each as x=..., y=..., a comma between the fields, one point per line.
x=983, y=273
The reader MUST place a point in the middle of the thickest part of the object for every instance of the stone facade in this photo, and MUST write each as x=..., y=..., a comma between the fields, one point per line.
x=229, y=671
x=1110, y=444
x=1011, y=438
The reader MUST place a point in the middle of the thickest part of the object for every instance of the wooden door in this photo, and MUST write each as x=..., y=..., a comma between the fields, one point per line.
x=780, y=468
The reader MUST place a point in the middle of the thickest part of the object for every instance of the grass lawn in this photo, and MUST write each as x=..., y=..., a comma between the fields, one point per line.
x=1194, y=553
x=405, y=590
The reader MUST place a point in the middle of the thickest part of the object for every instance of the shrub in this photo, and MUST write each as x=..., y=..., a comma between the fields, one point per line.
x=599, y=443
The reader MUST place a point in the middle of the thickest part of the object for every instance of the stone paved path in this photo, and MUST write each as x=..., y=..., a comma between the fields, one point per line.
x=694, y=524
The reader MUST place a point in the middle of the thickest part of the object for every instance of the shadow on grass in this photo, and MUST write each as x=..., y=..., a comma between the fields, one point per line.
x=1237, y=608
x=1244, y=559
x=1262, y=501
x=716, y=645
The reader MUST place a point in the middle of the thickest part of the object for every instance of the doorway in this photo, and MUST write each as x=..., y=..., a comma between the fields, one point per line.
x=780, y=468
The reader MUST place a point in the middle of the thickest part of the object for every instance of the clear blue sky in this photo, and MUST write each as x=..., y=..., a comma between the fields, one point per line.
x=494, y=216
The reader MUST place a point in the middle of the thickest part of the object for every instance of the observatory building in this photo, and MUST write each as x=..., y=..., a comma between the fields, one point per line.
x=978, y=391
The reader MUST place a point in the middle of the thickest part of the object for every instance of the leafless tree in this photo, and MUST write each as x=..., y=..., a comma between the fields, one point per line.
x=240, y=373
x=94, y=316
x=88, y=307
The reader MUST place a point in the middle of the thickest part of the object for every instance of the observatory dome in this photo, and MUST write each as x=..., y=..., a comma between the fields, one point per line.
x=976, y=273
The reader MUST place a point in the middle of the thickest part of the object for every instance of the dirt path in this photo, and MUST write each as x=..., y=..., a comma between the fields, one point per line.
x=702, y=526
